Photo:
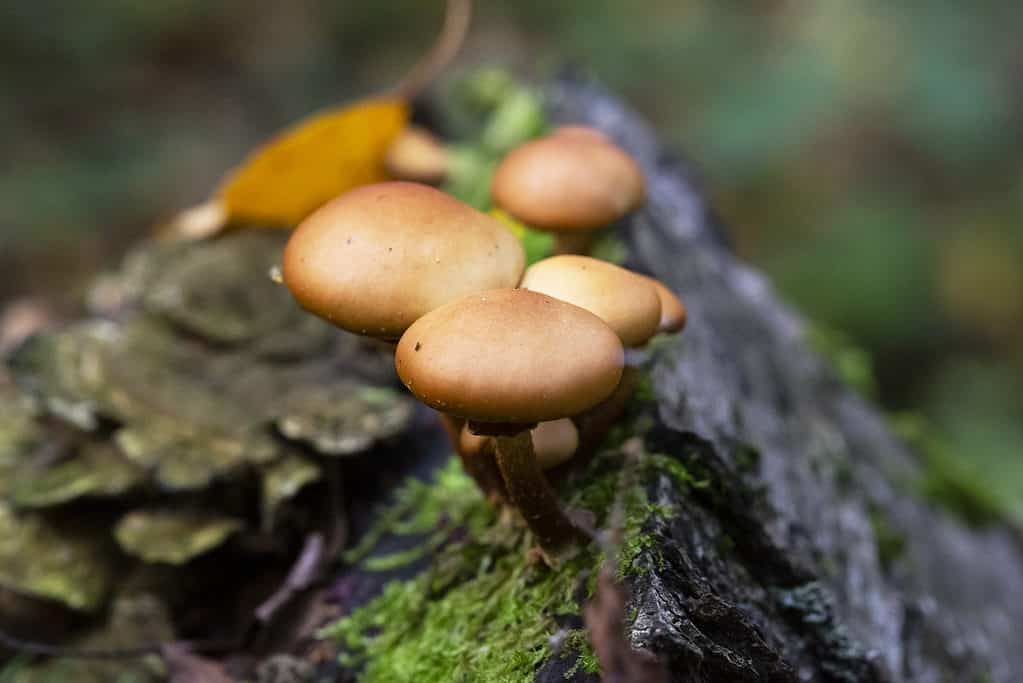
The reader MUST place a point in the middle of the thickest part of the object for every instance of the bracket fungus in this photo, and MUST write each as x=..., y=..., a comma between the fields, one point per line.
x=505, y=360
x=569, y=183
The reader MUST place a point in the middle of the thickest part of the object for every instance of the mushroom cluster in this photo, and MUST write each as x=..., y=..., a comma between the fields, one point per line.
x=507, y=355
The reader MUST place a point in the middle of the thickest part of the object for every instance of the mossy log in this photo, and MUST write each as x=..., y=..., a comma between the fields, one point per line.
x=783, y=538
x=769, y=529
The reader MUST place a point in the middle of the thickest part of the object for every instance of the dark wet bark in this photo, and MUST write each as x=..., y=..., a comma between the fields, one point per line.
x=773, y=572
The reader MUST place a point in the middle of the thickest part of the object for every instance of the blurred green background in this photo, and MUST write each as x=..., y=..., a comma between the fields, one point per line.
x=866, y=155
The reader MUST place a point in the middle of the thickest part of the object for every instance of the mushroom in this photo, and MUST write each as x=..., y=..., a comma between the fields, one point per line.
x=505, y=360
x=569, y=183
x=377, y=258
x=416, y=154
x=624, y=300
x=673, y=311
x=635, y=306
x=554, y=442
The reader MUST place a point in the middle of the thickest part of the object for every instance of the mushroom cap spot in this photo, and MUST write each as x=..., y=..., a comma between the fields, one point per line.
x=554, y=442
x=377, y=258
x=673, y=311
x=510, y=356
x=568, y=182
x=416, y=154
x=622, y=299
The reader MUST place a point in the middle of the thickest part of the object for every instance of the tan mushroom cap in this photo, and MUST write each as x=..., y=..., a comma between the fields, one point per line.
x=568, y=182
x=583, y=133
x=377, y=258
x=417, y=155
x=554, y=442
x=510, y=356
x=621, y=298
x=673, y=311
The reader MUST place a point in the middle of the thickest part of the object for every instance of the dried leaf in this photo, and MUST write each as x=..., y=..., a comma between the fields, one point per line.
x=301, y=169
x=172, y=536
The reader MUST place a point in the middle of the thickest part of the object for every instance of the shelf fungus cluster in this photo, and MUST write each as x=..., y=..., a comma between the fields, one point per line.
x=509, y=356
x=188, y=414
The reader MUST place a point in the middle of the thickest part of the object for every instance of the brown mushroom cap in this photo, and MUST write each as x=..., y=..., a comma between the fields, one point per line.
x=377, y=258
x=554, y=442
x=583, y=133
x=568, y=182
x=417, y=155
x=621, y=298
x=510, y=356
x=673, y=311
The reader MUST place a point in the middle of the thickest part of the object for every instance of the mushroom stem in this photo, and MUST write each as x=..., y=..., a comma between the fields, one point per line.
x=595, y=423
x=480, y=466
x=530, y=492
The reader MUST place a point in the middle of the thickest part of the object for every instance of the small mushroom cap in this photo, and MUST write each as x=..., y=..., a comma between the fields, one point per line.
x=417, y=155
x=554, y=442
x=510, y=356
x=377, y=258
x=568, y=182
x=621, y=298
x=673, y=311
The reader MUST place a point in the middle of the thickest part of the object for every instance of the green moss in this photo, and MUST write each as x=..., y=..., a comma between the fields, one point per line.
x=948, y=479
x=891, y=545
x=537, y=244
x=417, y=509
x=608, y=247
x=481, y=609
x=578, y=640
x=477, y=590
x=747, y=458
x=725, y=546
x=682, y=476
x=853, y=365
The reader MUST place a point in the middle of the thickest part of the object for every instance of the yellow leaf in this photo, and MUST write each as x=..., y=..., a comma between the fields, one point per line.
x=309, y=164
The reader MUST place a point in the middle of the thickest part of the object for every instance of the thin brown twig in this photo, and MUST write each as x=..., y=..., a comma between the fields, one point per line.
x=447, y=45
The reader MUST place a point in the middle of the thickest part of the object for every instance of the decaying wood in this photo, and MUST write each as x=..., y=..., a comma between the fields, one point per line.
x=799, y=592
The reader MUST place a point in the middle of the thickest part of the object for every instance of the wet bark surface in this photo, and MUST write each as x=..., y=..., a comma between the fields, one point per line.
x=773, y=572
